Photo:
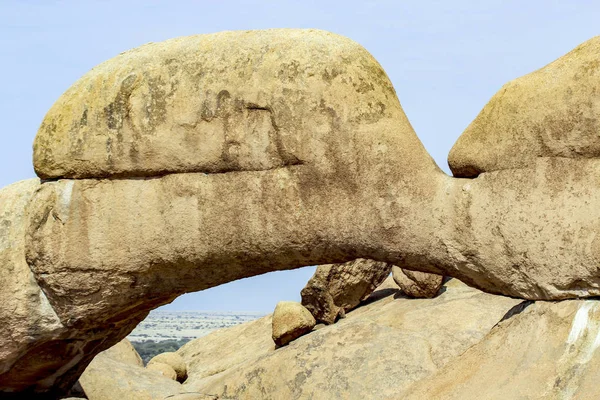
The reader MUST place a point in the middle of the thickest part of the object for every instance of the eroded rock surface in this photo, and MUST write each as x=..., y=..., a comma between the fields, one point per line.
x=230, y=101
x=335, y=289
x=425, y=333
x=295, y=153
x=548, y=351
x=173, y=360
x=290, y=321
x=417, y=284
x=115, y=375
x=552, y=112
x=164, y=369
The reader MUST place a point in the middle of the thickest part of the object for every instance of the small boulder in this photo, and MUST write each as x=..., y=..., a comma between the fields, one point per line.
x=166, y=370
x=335, y=289
x=125, y=353
x=174, y=361
x=110, y=377
x=290, y=321
x=417, y=284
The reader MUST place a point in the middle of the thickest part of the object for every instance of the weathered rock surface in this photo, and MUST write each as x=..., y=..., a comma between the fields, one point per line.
x=229, y=101
x=125, y=353
x=549, y=351
x=552, y=112
x=424, y=335
x=530, y=233
x=39, y=353
x=107, y=251
x=300, y=155
x=417, y=284
x=27, y=318
x=165, y=370
x=173, y=360
x=213, y=353
x=335, y=289
x=290, y=321
x=115, y=374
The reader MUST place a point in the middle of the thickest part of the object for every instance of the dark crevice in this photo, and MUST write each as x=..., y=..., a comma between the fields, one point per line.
x=161, y=174
x=518, y=309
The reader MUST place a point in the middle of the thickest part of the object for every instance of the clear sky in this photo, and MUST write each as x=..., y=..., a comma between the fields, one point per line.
x=445, y=59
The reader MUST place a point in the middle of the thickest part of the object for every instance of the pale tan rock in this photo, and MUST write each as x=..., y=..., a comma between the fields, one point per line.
x=334, y=109
x=39, y=353
x=530, y=233
x=125, y=353
x=213, y=353
x=107, y=378
x=30, y=327
x=335, y=289
x=173, y=360
x=552, y=112
x=164, y=369
x=108, y=251
x=354, y=182
x=425, y=333
x=548, y=351
x=417, y=284
x=229, y=101
x=290, y=321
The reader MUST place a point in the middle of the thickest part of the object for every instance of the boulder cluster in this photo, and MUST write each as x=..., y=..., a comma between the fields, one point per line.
x=336, y=289
x=193, y=162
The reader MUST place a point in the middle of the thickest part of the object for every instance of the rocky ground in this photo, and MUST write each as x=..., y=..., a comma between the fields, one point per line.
x=463, y=344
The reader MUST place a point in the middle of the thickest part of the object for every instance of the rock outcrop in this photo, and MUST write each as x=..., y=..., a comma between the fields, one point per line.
x=381, y=347
x=548, y=351
x=174, y=361
x=552, y=112
x=164, y=369
x=463, y=344
x=290, y=321
x=241, y=166
x=235, y=154
x=124, y=352
x=335, y=289
x=117, y=374
x=417, y=284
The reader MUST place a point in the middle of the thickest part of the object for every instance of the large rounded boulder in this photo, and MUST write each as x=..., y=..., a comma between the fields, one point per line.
x=552, y=112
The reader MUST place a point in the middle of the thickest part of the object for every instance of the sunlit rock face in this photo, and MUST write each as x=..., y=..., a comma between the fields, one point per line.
x=190, y=163
x=228, y=155
x=335, y=289
x=351, y=359
x=552, y=112
x=548, y=351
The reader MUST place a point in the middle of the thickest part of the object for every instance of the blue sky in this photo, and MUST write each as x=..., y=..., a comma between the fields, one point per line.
x=445, y=59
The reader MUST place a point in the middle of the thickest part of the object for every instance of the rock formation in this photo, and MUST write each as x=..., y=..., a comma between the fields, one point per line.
x=547, y=351
x=552, y=112
x=335, y=289
x=239, y=153
x=118, y=374
x=417, y=284
x=382, y=347
x=464, y=344
x=290, y=321
x=164, y=369
x=174, y=361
